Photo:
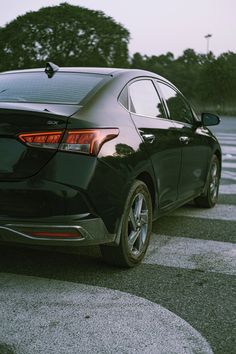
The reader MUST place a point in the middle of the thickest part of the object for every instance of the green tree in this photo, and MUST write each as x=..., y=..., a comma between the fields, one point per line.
x=186, y=73
x=158, y=64
x=217, y=83
x=209, y=82
x=65, y=34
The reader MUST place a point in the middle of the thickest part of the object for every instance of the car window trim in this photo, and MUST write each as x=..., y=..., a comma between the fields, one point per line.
x=194, y=115
x=158, y=94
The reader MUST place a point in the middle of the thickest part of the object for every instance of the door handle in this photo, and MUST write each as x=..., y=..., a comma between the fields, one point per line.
x=149, y=138
x=184, y=139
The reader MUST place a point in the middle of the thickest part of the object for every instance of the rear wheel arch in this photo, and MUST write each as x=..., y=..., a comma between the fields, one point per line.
x=146, y=178
x=134, y=229
x=210, y=196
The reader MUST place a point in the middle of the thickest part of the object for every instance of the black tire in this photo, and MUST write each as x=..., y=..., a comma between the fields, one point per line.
x=209, y=199
x=136, y=227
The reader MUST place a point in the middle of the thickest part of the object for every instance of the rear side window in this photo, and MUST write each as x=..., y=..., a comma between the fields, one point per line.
x=67, y=88
x=123, y=98
x=144, y=99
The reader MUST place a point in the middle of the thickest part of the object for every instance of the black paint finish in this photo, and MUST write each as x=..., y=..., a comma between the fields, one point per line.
x=38, y=183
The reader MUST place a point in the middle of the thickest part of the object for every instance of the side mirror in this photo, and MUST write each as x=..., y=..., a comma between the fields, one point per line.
x=208, y=119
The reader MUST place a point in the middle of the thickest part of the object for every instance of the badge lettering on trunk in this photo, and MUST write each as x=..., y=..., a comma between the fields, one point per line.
x=52, y=122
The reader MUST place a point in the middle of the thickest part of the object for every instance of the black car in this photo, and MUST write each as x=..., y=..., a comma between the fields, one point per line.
x=91, y=156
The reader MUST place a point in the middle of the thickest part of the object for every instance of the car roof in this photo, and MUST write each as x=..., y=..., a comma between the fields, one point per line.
x=113, y=72
x=95, y=70
x=92, y=70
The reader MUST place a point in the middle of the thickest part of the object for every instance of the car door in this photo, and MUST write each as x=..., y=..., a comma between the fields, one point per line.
x=159, y=137
x=192, y=141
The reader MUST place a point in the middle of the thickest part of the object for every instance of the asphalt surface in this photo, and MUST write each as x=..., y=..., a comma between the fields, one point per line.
x=182, y=299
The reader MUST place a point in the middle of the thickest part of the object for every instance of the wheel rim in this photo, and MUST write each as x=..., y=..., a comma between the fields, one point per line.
x=138, y=225
x=214, y=181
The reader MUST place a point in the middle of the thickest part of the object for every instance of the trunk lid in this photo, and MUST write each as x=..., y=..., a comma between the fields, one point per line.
x=17, y=160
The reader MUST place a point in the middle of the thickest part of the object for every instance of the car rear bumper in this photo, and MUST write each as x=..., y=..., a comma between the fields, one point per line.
x=77, y=230
x=69, y=185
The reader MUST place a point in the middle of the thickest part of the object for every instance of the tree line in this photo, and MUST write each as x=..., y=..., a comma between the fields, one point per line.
x=75, y=36
x=208, y=81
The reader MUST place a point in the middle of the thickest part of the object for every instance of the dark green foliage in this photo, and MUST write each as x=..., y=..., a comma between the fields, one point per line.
x=65, y=34
x=209, y=82
x=75, y=36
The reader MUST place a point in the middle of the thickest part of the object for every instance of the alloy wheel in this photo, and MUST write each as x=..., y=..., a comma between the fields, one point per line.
x=214, y=181
x=137, y=225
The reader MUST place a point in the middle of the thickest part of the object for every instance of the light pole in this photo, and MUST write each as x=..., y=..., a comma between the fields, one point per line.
x=208, y=36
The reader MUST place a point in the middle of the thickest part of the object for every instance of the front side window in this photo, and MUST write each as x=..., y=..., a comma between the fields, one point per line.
x=144, y=99
x=178, y=107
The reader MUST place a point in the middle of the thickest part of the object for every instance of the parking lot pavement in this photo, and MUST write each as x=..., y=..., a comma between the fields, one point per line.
x=180, y=300
x=51, y=316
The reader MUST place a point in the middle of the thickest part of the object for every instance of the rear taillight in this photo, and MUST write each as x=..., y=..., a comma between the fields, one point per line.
x=49, y=140
x=85, y=141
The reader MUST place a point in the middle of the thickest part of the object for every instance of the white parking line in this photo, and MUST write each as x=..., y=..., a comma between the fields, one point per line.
x=226, y=135
x=228, y=145
x=188, y=253
x=228, y=189
x=228, y=157
x=50, y=316
x=227, y=142
x=228, y=149
x=229, y=175
x=229, y=165
x=219, y=212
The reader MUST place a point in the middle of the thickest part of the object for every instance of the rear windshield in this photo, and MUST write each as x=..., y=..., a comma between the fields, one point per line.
x=63, y=87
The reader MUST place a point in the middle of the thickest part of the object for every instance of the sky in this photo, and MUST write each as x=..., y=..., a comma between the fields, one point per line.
x=156, y=26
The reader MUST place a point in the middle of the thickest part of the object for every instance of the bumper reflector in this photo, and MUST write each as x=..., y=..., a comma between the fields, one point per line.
x=55, y=234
